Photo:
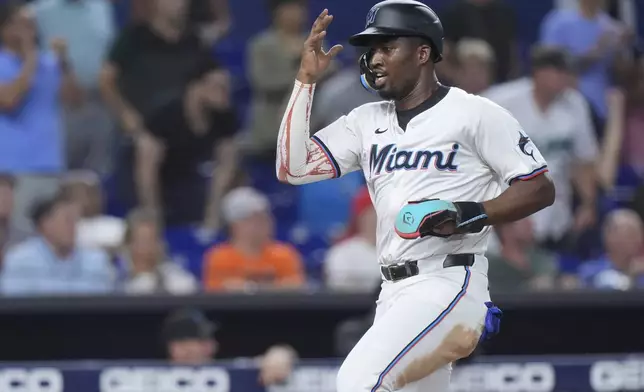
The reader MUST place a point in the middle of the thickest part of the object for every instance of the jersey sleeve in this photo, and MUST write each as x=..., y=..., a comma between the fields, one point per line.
x=505, y=147
x=341, y=143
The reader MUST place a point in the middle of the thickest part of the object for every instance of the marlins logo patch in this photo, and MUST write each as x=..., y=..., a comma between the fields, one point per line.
x=524, y=140
x=371, y=16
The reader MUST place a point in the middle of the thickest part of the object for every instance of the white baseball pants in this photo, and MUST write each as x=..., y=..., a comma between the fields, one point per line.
x=413, y=316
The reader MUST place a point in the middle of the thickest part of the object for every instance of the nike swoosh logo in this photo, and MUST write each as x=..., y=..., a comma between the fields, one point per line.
x=378, y=131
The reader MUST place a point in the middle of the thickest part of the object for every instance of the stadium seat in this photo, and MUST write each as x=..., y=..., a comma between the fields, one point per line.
x=186, y=248
x=325, y=206
x=283, y=197
x=312, y=248
x=621, y=196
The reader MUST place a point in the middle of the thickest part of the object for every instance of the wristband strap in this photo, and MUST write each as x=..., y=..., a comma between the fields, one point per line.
x=472, y=216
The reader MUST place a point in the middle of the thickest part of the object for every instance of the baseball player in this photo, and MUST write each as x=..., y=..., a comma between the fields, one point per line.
x=435, y=159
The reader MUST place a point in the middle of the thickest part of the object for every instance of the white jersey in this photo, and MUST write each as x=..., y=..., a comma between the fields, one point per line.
x=563, y=133
x=461, y=149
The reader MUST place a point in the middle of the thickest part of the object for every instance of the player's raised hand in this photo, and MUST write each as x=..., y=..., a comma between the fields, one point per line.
x=315, y=60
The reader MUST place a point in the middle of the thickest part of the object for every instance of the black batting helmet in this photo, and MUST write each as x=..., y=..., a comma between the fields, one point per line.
x=399, y=18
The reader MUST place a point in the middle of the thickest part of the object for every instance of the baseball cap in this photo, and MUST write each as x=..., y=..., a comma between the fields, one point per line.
x=187, y=324
x=542, y=56
x=240, y=203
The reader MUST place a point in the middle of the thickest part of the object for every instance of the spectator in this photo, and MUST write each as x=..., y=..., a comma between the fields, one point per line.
x=596, y=40
x=88, y=28
x=623, y=142
x=352, y=265
x=189, y=135
x=475, y=65
x=190, y=341
x=9, y=234
x=251, y=259
x=95, y=229
x=146, y=265
x=632, y=106
x=32, y=83
x=189, y=338
x=557, y=119
x=622, y=147
x=622, y=266
x=147, y=68
x=211, y=18
x=150, y=64
x=52, y=262
x=492, y=21
x=520, y=265
x=273, y=61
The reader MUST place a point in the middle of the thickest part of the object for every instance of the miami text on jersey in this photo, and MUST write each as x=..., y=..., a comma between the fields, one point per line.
x=393, y=159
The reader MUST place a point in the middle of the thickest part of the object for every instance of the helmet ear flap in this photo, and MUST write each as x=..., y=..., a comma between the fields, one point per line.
x=367, y=77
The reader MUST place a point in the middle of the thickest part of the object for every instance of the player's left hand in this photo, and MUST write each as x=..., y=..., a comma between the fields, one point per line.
x=439, y=218
x=446, y=229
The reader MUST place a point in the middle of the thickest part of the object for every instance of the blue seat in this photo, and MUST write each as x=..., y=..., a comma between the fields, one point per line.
x=622, y=195
x=113, y=204
x=232, y=54
x=312, y=248
x=186, y=248
x=283, y=197
x=325, y=207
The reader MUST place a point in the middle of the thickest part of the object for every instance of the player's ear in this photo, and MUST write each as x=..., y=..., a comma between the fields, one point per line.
x=424, y=54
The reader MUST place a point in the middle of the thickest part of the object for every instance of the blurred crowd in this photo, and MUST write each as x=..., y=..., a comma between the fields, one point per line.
x=136, y=159
x=190, y=339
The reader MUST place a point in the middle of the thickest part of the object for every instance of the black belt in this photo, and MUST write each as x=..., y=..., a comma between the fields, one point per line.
x=408, y=269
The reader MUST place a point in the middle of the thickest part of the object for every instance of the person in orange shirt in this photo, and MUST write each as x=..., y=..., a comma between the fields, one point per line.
x=251, y=259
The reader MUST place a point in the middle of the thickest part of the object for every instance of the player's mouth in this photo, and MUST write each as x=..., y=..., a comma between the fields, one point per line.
x=380, y=79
